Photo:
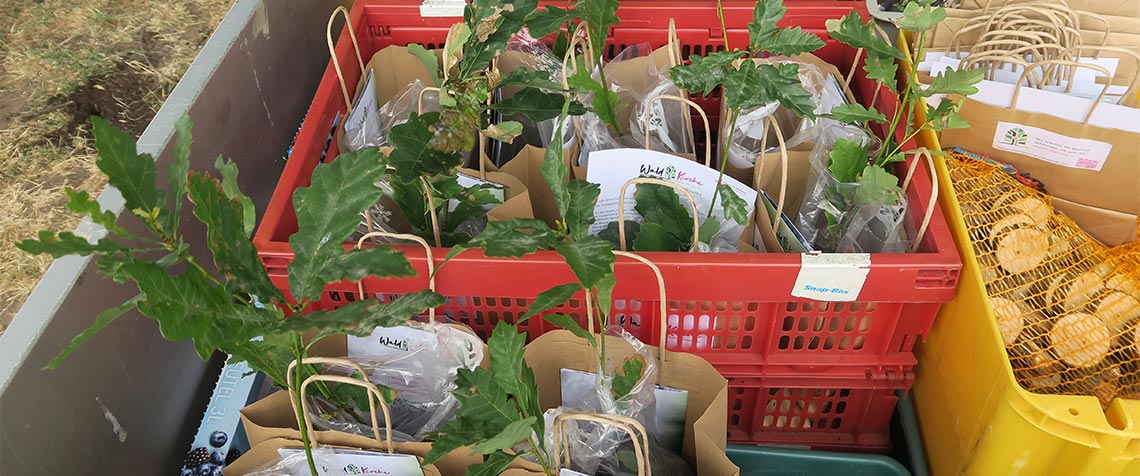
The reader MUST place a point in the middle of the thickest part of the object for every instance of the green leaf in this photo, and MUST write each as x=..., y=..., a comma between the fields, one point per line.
x=515, y=432
x=853, y=32
x=413, y=155
x=791, y=42
x=954, y=81
x=709, y=229
x=611, y=234
x=569, y=323
x=735, y=208
x=654, y=237
x=429, y=60
x=495, y=464
x=704, y=73
x=848, y=159
x=579, y=213
x=103, y=319
x=505, y=131
x=67, y=243
x=600, y=16
x=919, y=18
x=513, y=238
x=234, y=255
x=753, y=85
x=856, y=114
x=506, y=347
x=945, y=116
x=590, y=258
x=548, y=20
x=882, y=69
x=176, y=172
x=603, y=101
x=605, y=292
x=328, y=211
x=555, y=172
x=658, y=204
x=876, y=185
x=765, y=16
x=550, y=299
x=229, y=172
x=81, y=202
x=492, y=24
x=526, y=78
x=357, y=264
x=134, y=175
x=537, y=105
x=627, y=378
x=361, y=317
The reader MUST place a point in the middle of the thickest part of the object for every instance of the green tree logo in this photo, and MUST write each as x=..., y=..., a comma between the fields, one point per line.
x=1016, y=136
x=352, y=469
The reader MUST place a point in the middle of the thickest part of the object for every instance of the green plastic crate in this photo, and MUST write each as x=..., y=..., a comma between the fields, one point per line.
x=770, y=461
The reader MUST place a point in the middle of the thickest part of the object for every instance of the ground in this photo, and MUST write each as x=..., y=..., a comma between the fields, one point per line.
x=60, y=63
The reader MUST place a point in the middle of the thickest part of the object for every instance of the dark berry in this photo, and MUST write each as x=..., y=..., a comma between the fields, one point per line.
x=186, y=472
x=205, y=469
x=218, y=438
x=232, y=456
x=196, y=457
x=217, y=471
x=217, y=458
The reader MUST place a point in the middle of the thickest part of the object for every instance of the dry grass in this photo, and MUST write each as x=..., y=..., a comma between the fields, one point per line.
x=60, y=62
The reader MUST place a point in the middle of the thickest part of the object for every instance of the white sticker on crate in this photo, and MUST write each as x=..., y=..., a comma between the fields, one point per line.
x=832, y=276
x=1051, y=147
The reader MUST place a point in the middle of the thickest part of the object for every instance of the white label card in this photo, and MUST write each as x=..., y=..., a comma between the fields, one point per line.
x=356, y=462
x=365, y=112
x=1051, y=147
x=832, y=276
x=390, y=342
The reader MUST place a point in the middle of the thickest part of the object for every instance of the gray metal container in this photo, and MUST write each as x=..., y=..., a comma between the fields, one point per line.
x=128, y=402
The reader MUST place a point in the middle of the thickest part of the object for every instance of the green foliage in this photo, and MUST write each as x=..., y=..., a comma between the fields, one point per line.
x=513, y=238
x=579, y=214
x=569, y=323
x=413, y=155
x=954, y=81
x=548, y=20
x=920, y=18
x=492, y=24
x=498, y=405
x=848, y=158
x=103, y=319
x=134, y=175
x=851, y=31
x=550, y=299
x=627, y=378
x=763, y=35
x=589, y=257
x=603, y=101
x=537, y=105
x=735, y=208
x=429, y=60
x=876, y=185
x=855, y=114
x=883, y=70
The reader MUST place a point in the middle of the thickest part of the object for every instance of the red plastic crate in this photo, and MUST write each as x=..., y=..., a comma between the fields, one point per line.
x=733, y=309
x=817, y=411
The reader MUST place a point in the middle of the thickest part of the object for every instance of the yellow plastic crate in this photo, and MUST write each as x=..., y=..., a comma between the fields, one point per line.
x=974, y=416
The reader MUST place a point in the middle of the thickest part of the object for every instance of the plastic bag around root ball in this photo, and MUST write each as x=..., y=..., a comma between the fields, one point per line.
x=670, y=127
x=834, y=218
x=601, y=449
x=530, y=54
x=373, y=130
x=749, y=141
x=419, y=362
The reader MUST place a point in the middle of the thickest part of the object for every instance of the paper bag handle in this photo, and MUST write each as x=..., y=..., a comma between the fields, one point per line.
x=996, y=60
x=332, y=51
x=674, y=45
x=688, y=103
x=757, y=167
x=663, y=300
x=878, y=30
x=635, y=180
x=1134, y=84
x=933, y=203
x=374, y=395
x=1072, y=64
x=289, y=377
x=634, y=428
x=409, y=237
x=580, y=35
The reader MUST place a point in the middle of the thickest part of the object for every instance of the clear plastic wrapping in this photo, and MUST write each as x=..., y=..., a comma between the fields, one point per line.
x=419, y=363
x=531, y=54
x=834, y=220
x=373, y=131
x=596, y=448
x=748, y=139
x=297, y=464
x=670, y=128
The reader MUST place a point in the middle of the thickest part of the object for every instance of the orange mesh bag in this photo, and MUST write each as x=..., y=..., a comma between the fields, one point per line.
x=1067, y=307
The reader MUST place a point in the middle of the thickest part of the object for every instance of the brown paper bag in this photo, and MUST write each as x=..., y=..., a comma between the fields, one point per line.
x=393, y=69
x=265, y=450
x=526, y=167
x=706, y=415
x=562, y=452
x=509, y=61
x=1128, y=8
x=1113, y=188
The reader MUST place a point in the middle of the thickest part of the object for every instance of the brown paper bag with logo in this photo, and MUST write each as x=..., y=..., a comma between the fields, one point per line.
x=265, y=451
x=706, y=413
x=1018, y=137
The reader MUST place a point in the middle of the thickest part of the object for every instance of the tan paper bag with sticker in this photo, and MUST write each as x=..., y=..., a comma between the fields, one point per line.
x=1065, y=156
